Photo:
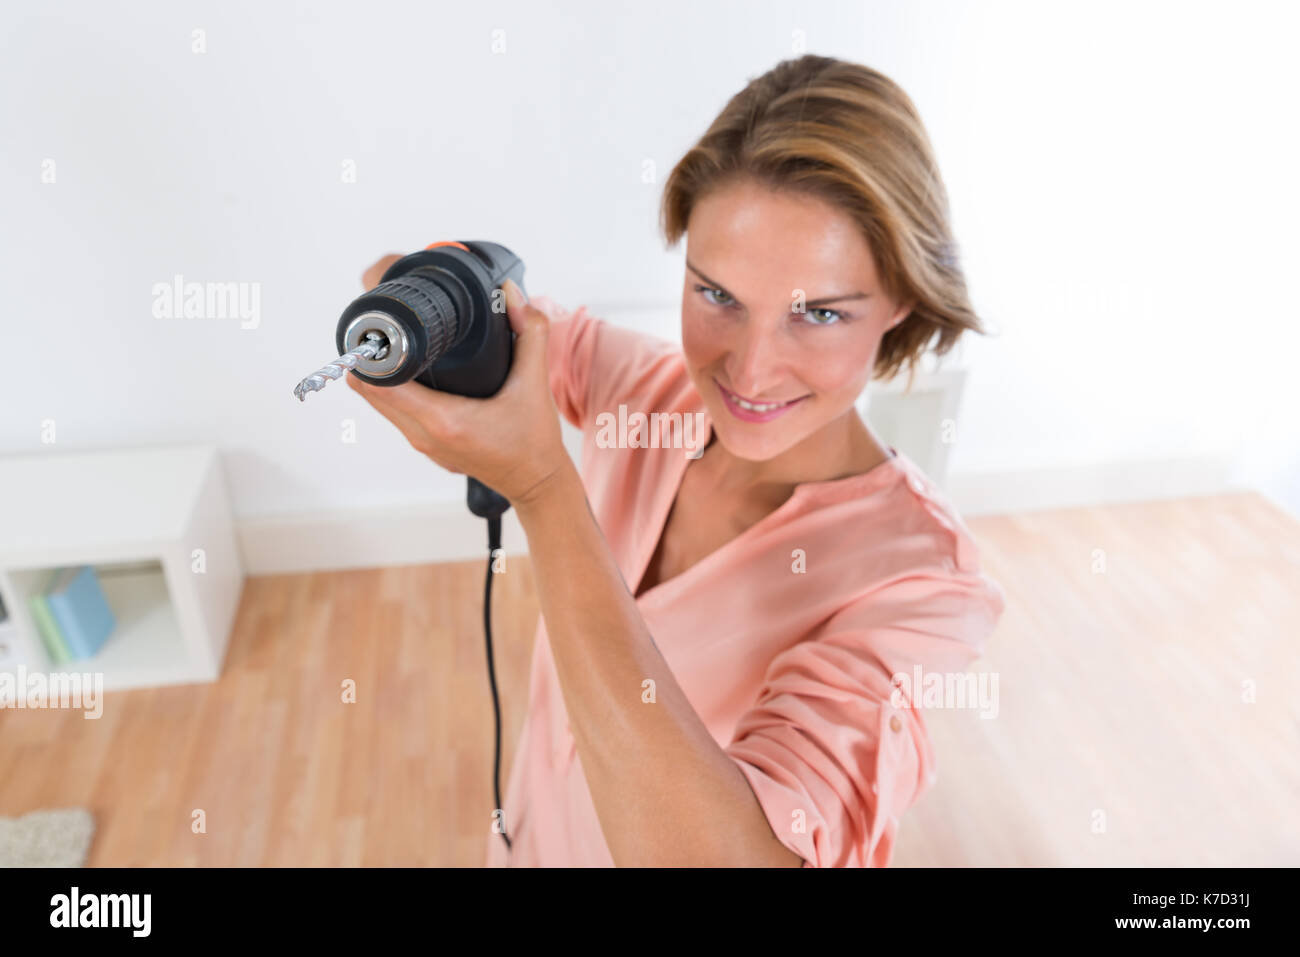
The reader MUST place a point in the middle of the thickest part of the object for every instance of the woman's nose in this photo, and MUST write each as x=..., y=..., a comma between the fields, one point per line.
x=754, y=365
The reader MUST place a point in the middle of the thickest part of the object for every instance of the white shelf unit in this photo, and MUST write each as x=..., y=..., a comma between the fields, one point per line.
x=914, y=420
x=139, y=516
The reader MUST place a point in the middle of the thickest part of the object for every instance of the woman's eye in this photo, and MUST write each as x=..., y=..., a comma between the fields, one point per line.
x=822, y=317
x=835, y=317
x=709, y=294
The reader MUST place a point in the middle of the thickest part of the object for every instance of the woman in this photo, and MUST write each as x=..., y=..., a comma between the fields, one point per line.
x=732, y=704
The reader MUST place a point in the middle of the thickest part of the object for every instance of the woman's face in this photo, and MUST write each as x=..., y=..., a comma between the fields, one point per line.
x=753, y=256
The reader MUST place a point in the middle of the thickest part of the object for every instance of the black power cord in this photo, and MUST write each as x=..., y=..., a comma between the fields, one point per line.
x=494, y=543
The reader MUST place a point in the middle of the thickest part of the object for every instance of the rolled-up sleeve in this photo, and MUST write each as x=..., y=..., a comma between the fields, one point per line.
x=831, y=760
x=570, y=357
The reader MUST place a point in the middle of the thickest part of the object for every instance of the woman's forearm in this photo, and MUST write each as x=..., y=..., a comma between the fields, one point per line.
x=665, y=792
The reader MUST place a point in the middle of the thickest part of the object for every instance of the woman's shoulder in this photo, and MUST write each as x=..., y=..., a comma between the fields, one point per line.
x=955, y=571
x=911, y=537
x=936, y=508
x=612, y=363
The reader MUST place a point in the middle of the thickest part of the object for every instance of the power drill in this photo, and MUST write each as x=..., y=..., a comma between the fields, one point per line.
x=438, y=316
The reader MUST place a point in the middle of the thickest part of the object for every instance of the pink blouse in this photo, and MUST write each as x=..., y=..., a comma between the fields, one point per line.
x=785, y=639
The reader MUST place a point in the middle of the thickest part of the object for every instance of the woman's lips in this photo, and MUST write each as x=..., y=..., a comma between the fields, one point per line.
x=732, y=402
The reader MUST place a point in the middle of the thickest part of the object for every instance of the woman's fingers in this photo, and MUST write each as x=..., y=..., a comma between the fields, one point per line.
x=532, y=328
x=407, y=425
x=370, y=278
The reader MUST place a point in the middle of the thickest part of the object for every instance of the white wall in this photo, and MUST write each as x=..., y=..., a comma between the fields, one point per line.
x=1122, y=178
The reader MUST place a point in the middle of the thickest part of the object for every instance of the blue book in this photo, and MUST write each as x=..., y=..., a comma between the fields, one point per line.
x=78, y=605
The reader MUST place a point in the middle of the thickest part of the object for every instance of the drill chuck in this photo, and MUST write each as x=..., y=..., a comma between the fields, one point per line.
x=419, y=316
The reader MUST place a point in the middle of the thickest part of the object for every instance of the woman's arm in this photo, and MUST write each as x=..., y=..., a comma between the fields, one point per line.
x=666, y=793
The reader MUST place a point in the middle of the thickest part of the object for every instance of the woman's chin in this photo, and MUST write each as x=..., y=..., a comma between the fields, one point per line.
x=754, y=442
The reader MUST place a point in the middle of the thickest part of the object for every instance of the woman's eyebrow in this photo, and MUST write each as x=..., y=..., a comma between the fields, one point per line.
x=815, y=302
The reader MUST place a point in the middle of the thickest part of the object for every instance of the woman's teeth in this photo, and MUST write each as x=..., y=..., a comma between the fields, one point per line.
x=757, y=408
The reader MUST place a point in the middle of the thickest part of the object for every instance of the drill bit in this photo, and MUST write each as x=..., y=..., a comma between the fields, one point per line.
x=375, y=346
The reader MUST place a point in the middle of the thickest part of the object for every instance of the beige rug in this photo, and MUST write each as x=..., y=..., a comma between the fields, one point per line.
x=57, y=838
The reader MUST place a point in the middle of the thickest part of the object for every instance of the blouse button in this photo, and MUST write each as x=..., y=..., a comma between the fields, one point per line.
x=895, y=724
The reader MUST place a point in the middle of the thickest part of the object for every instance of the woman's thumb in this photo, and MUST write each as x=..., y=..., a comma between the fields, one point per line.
x=529, y=323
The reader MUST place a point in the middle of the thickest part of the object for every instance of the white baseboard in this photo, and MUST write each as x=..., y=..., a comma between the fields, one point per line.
x=426, y=534
x=423, y=534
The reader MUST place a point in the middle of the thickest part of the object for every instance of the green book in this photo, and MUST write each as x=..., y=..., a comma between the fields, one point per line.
x=49, y=629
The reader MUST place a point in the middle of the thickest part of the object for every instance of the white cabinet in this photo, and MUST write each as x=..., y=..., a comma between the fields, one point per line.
x=156, y=525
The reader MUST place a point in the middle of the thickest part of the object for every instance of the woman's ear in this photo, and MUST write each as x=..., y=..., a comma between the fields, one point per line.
x=902, y=314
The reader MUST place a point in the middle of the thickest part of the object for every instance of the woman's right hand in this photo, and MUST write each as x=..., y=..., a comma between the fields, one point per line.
x=370, y=278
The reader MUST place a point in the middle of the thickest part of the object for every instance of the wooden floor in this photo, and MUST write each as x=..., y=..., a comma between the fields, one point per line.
x=1133, y=639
